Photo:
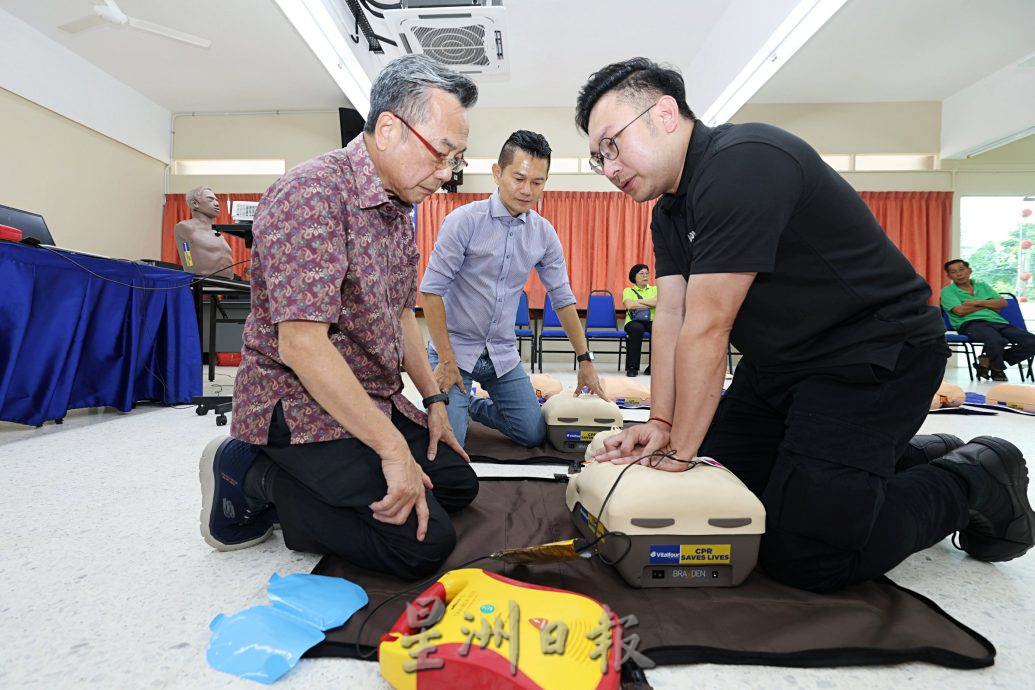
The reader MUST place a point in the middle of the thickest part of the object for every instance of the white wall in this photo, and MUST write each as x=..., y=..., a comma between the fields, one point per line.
x=45, y=72
x=855, y=128
x=96, y=194
x=294, y=137
x=906, y=128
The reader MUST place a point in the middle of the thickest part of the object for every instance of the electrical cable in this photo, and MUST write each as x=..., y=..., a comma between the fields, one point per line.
x=384, y=6
x=653, y=460
x=368, y=31
x=140, y=287
x=371, y=10
x=136, y=266
x=422, y=583
x=385, y=40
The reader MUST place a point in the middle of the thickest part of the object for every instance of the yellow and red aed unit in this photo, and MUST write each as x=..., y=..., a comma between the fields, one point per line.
x=477, y=630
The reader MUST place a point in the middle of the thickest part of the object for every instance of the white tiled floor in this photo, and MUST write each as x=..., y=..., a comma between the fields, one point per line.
x=105, y=581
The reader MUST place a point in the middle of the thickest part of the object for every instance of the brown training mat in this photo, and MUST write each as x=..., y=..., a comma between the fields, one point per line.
x=488, y=445
x=759, y=622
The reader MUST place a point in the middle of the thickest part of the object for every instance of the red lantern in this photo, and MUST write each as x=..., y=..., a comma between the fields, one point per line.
x=1025, y=213
x=1025, y=244
x=1025, y=276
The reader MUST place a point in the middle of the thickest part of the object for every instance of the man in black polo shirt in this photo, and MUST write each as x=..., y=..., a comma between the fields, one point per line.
x=758, y=242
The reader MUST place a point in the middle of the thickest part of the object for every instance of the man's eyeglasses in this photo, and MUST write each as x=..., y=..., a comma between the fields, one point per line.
x=608, y=147
x=455, y=164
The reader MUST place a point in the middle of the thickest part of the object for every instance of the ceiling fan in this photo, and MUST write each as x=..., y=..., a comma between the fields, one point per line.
x=107, y=12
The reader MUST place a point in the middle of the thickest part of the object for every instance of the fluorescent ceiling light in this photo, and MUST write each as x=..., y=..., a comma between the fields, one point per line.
x=227, y=166
x=1003, y=141
x=881, y=161
x=558, y=166
x=564, y=166
x=804, y=20
x=317, y=27
x=841, y=162
x=479, y=166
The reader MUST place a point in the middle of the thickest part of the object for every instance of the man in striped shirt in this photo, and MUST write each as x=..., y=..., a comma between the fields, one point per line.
x=470, y=291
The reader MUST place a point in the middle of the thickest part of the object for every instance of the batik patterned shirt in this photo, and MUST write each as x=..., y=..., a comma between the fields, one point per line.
x=329, y=246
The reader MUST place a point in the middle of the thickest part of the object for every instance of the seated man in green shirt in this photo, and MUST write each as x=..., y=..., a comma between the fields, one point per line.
x=973, y=308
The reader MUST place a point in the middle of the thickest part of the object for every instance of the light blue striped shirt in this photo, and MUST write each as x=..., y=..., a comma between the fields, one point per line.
x=480, y=264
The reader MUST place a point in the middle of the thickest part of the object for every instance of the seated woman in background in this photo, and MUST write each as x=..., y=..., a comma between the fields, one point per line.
x=640, y=300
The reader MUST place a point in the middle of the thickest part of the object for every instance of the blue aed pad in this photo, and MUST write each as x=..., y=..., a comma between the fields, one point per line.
x=325, y=602
x=261, y=643
x=265, y=642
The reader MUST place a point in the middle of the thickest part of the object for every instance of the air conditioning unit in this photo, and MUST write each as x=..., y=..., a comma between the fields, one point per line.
x=469, y=38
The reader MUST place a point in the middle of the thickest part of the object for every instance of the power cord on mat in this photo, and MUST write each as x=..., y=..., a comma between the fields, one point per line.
x=653, y=460
x=422, y=583
x=137, y=287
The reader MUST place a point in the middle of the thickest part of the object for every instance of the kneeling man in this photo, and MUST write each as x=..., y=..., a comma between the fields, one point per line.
x=321, y=430
x=471, y=289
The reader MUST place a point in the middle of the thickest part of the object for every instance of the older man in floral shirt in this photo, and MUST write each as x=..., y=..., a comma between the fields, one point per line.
x=321, y=431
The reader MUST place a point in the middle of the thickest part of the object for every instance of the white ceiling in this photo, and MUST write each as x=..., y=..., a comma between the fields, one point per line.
x=124, y=83
x=872, y=50
x=257, y=61
x=904, y=50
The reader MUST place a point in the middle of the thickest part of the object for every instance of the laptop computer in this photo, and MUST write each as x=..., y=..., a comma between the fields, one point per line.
x=31, y=224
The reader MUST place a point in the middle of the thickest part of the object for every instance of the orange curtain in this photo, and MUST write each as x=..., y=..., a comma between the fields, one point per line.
x=603, y=234
x=176, y=209
x=918, y=223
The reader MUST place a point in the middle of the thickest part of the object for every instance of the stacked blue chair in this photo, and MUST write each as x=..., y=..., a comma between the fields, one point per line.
x=600, y=323
x=524, y=329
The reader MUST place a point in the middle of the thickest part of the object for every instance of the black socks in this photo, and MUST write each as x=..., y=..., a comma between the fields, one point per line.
x=258, y=480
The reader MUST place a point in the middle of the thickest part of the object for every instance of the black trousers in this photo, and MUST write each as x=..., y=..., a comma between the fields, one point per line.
x=323, y=490
x=634, y=342
x=995, y=337
x=819, y=450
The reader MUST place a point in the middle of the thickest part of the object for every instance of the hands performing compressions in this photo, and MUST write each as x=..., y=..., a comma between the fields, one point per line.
x=637, y=443
x=589, y=381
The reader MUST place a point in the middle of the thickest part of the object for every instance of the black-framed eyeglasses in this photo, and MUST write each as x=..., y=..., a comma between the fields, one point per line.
x=455, y=164
x=607, y=149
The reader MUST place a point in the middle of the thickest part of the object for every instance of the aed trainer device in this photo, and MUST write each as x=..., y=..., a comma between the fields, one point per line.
x=697, y=528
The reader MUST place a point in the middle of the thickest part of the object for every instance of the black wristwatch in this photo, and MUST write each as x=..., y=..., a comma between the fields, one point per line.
x=586, y=356
x=437, y=397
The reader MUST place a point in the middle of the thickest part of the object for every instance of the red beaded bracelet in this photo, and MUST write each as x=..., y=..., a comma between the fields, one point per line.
x=659, y=419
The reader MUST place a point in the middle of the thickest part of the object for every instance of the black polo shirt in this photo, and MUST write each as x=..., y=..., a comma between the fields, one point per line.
x=831, y=289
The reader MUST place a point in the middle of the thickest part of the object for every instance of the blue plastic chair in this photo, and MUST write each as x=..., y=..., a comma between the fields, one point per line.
x=552, y=330
x=1012, y=313
x=524, y=329
x=600, y=322
x=960, y=344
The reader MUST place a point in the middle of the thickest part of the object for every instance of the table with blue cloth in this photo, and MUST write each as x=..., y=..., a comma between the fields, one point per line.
x=70, y=338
